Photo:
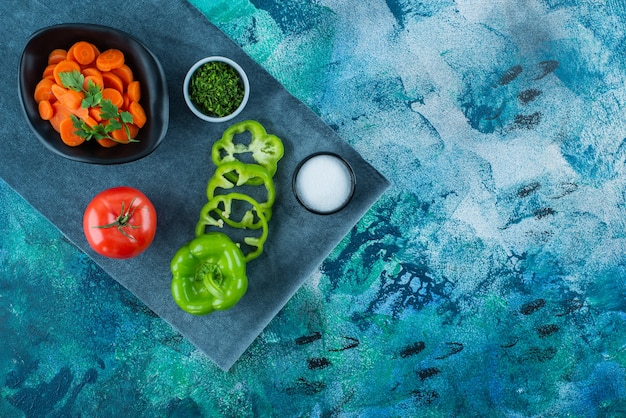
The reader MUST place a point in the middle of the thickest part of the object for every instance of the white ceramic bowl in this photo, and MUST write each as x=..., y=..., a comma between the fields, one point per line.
x=324, y=183
x=242, y=75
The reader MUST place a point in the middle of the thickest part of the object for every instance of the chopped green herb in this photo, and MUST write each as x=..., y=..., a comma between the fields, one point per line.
x=216, y=89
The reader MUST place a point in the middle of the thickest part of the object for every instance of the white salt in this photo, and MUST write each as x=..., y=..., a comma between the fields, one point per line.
x=324, y=183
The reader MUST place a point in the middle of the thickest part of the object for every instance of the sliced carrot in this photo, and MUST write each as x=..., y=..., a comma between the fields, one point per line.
x=60, y=112
x=57, y=55
x=120, y=135
x=57, y=90
x=43, y=90
x=87, y=71
x=64, y=66
x=93, y=74
x=68, y=133
x=95, y=112
x=134, y=91
x=96, y=50
x=123, y=135
x=81, y=112
x=90, y=121
x=113, y=81
x=125, y=74
x=48, y=71
x=70, y=54
x=46, y=111
x=108, y=71
x=98, y=81
x=134, y=130
x=83, y=52
x=110, y=59
x=72, y=99
x=107, y=143
x=114, y=96
x=139, y=114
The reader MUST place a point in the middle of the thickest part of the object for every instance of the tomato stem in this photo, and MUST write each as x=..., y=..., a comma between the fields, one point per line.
x=123, y=220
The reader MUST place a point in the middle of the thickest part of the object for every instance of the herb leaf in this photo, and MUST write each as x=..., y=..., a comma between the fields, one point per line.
x=72, y=80
x=109, y=110
x=93, y=95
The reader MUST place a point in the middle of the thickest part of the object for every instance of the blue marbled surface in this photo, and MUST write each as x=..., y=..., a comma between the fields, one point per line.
x=490, y=280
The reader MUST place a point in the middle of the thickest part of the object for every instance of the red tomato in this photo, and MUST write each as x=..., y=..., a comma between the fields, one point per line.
x=120, y=222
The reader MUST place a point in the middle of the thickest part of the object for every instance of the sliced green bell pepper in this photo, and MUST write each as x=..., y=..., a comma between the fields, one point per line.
x=266, y=149
x=236, y=173
x=208, y=274
x=218, y=210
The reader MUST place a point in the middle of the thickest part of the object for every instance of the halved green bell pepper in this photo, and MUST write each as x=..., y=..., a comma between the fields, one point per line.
x=266, y=149
x=208, y=274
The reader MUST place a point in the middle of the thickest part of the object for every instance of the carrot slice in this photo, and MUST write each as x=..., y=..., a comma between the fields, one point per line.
x=110, y=59
x=87, y=71
x=126, y=102
x=57, y=55
x=113, y=81
x=95, y=112
x=58, y=91
x=125, y=74
x=123, y=136
x=134, y=91
x=46, y=111
x=81, y=112
x=70, y=54
x=43, y=90
x=72, y=99
x=68, y=133
x=83, y=52
x=64, y=66
x=93, y=74
x=48, y=71
x=139, y=114
x=98, y=81
x=96, y=50
x=134, y=130
x=114, y=96
x=90, y=121
x=107, y=143
x=61, y=112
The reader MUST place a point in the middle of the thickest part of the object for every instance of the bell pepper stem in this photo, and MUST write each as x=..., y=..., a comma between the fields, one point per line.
x=211, y=277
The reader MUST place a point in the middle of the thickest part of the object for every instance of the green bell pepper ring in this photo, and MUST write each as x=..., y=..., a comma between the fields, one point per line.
x=222, y=205
x=266, y=149
x=208, y=274
x=241, y=174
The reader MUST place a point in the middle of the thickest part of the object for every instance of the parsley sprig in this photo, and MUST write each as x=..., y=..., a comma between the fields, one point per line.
x=112, y=118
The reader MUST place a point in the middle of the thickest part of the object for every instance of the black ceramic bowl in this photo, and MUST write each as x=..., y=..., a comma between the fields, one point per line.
x=146, y=68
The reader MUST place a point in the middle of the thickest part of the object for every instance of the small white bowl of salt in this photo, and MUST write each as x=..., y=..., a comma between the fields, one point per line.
x=324, y=183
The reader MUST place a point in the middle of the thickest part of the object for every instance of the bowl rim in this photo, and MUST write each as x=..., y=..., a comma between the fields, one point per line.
x=149, y=61
x=242, y=75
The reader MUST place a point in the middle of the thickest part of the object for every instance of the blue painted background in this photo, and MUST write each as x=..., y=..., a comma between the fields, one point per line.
x=489, y=281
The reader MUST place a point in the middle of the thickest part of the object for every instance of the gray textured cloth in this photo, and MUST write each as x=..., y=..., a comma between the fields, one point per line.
x=174, y=176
